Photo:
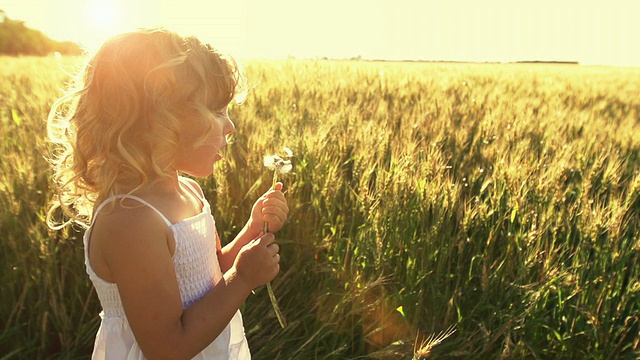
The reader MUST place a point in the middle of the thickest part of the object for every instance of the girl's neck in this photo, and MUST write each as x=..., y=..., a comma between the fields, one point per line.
x=154, y=186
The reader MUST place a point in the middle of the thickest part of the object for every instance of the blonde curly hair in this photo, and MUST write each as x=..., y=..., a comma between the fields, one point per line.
x=119, y=124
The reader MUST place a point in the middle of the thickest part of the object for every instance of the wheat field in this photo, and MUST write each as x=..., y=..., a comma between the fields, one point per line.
x=449, y=211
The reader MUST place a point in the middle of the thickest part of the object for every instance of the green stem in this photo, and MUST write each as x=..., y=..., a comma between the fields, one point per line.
x=276, y=308
x=272, y=295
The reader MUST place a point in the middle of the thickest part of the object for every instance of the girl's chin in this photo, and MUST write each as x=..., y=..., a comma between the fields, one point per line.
x=202, y=173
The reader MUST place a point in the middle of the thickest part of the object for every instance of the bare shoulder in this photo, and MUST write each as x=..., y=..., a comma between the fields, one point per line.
x=194, y=184
x=130, y=231
x=132, y=248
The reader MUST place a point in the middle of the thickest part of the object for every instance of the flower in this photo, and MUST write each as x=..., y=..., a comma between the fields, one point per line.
x=279, y=164
x=288, y=152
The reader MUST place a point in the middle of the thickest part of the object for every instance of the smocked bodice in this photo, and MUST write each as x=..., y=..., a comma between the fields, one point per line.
x=195, y=261
x=197, y=271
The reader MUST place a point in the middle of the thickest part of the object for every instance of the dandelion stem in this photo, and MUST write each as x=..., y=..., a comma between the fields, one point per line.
x=272, y=295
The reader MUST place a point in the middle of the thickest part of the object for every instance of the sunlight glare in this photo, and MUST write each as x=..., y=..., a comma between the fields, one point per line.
x=604, y=33
x=104, y=18
x=102, y=12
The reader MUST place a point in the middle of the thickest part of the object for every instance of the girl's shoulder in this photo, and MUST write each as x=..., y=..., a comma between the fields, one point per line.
x=126, y=217
x=194, y=184
x=127, y=230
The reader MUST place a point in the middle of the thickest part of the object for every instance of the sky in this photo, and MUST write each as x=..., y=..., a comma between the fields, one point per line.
x=591, y=32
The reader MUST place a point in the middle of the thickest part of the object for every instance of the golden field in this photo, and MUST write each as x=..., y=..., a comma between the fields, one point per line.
x=449, y=211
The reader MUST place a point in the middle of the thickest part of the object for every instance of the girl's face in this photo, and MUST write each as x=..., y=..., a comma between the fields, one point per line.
x=196, y=155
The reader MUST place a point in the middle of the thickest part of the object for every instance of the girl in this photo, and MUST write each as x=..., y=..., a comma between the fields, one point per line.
x=150, y=105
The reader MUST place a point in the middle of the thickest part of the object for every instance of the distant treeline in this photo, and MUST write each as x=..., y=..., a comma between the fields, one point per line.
x=17, y=39
x=548, y=62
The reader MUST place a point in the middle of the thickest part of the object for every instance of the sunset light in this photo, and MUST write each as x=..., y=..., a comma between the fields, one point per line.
x=452, y=178
x=102, y=13
x=599, y=32
x=103, y=19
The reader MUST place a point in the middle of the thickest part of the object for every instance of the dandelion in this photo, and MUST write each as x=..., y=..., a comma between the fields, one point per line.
x=279, y=165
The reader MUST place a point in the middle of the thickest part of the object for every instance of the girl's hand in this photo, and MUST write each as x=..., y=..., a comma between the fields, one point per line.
x=270, y=207
x=258, y=261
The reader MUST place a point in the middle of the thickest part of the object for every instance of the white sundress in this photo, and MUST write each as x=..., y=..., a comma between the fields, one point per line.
x=197, y=271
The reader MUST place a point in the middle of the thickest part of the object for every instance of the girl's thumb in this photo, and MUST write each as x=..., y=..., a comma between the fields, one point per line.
x=278, y=186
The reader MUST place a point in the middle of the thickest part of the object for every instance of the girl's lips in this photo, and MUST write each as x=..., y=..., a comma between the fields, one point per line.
x=224, y=146
x=218, y=153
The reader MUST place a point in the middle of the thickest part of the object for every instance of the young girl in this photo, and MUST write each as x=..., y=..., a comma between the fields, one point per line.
x=151, y=105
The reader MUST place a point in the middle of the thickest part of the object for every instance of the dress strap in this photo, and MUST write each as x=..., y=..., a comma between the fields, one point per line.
x=133, y=197
x=193, y=190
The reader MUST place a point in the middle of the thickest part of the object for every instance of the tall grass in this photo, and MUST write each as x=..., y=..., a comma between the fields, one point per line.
x=502, y=200
x=47, y=304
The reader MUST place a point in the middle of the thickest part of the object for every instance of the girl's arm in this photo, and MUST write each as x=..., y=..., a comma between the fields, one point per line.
x=136, y=247
x=270, y=207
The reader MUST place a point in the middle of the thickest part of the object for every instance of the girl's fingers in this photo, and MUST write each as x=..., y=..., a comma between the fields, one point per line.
x=274, y=211
x=273, y=249
x=274, y=195
x=274, y=221
x=269, y=205
x=269, y=202
x=267, y=239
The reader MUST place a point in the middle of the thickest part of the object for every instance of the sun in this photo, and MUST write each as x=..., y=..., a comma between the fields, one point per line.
x=103, y=19
x=102, y=12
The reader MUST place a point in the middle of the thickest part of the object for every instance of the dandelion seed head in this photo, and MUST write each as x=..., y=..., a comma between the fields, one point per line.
x=283, y=166
x=278, y=163
x=288, y=153
x=269, y=161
